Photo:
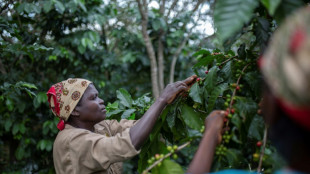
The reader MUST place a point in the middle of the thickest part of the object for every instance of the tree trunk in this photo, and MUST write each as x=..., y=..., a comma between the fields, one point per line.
x=143, y=9
x=160, y=57
x=151, y=55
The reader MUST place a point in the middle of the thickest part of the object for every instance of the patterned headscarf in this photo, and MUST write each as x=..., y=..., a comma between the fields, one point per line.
x=286, y=66
x=64, y=96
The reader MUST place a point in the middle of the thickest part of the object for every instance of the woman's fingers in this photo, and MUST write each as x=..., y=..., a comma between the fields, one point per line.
x=190, y=80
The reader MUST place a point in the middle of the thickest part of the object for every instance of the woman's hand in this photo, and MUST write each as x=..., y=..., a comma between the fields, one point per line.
x=141, y=131
x=203, y=158
x=214, y=123
x=174, y=89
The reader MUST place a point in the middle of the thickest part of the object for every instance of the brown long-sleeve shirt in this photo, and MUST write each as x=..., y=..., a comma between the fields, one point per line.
x=78, y=150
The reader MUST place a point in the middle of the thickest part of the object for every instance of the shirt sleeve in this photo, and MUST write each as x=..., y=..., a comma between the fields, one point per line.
x=98, y=151
x=117, y=127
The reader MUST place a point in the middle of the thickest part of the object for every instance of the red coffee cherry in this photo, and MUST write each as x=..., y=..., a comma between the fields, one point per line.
x=259, y=143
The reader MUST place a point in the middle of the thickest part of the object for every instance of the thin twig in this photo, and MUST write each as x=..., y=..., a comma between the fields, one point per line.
x=166, y=156
x=228, y=60
x=262, y=152
x=235, y=90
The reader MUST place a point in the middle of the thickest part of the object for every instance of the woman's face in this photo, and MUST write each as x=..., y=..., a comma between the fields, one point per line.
x=91, y=108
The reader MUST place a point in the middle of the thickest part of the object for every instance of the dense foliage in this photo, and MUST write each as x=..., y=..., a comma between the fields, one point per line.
x=43, y=42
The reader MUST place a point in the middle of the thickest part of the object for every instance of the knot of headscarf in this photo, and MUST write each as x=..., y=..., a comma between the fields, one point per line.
x=286, y=66
x=64, y=96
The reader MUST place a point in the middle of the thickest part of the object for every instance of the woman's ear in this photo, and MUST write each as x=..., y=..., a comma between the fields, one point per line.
x=75, y=112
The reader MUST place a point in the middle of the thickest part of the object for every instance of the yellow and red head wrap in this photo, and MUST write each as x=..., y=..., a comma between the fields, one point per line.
x=64, y=96
x=286, y=66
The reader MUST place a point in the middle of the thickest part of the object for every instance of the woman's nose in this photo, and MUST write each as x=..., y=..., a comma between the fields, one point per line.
x=101, y=101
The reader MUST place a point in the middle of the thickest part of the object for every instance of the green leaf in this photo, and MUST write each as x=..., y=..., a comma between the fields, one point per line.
x=15, y=129
x=173, y=111
x=42, y=97
x=128, y=57
x=233, y=157
x=159, y=124
x=28, y=85
x=84, y=42
x=202, y=52
x=36, y=103
x=230, y=16
x=127, y=113
x=168, y=167
x=214, y=95
x=256, y=128
x=60, y=8
x=49, y=145
x=42, y=144
x=22, y=128
x=191, y=117
x=117, y=111
x=82, y=5
x=158, y=23
x=47, y=6
x=19, y=153
x=204, y=61
x=112, y=106
x=10, y=104
x=227, y=69
x=124, y=97
x=254, y=80
x=90, y=44
x=271, y=5
x=171, y=120
x=29, y=92
x=237, y=121
x=21, y=7
x=195, y=93
x=21, y=107
x=246, y=106
x=132, y=116
x=211, y=79
x=93, y=36
x=262, y=29
x=81, y=49
x=8, y=124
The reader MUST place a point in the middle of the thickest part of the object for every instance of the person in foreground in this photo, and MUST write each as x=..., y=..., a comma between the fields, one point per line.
x=286, y=101
x=86, y=142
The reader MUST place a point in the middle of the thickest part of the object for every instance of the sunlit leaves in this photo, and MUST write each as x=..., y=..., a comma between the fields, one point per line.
x=124, y=97
x=127, y=113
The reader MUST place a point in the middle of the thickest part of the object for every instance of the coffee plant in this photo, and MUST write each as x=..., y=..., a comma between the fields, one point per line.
x=229, y=79
x=227, y=82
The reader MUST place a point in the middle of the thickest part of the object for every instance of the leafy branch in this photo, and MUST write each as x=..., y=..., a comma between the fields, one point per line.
x=166, y=156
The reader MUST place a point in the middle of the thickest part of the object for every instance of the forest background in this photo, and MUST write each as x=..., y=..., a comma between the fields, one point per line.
x=130, y=50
